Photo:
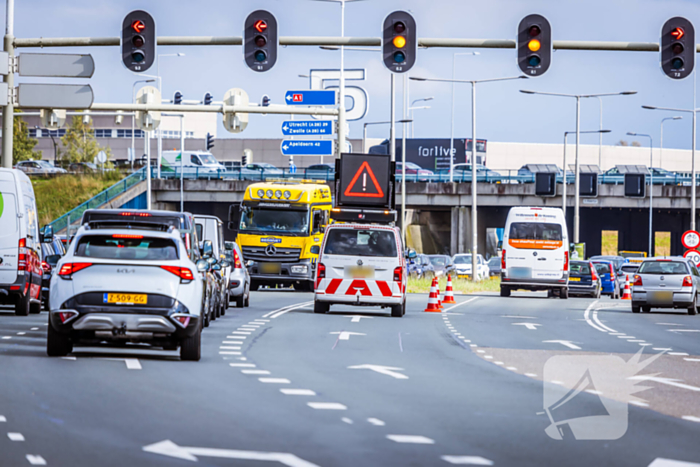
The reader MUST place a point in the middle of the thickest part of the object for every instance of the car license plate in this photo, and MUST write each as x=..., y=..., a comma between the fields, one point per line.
x=270, y=268
x=125, y=298
x=359, y=272
x=575, y=279
x=661, y=298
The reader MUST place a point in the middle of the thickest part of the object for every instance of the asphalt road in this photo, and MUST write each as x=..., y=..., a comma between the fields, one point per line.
x=279, y=385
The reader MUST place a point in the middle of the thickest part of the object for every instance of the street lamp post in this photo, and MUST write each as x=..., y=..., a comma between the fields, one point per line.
x=661, y=143
x=364, y=131
x=651, y=184
x=578, y=98
x=452, y=118
x=147, y=144
x=160, y=88
x=474, y=169
x=412, y=108
x=563, y=191
x=692, y=157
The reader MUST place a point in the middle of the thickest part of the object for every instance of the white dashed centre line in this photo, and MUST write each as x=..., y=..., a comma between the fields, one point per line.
x=376, y=422
x=466, y=460
x=236, y=337
x=531, y=375
x=34, y=329
x=662, y=348
x=639, y=403
x=410, y=439
x=692, y=359
x=678, y=354
x=15, y=436
x=21, y=333
x=227, y=347
x=35, y=459
x=2, y=418
x=297, y=392
x=346, y=420
x=228, y=353
x=231, y=342
x=255, y=372
x=274, y=380
x=242, y=365
x=691, y=418
x=326, y=406
x=7, y=337
x=242, y=333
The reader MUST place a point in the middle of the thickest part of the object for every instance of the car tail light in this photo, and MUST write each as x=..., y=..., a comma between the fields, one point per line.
x=398, y=274
x=68, y=269
x=46, y=266
x=594, y=276
x=187, y=241
x=182, y=320
x=67, y=315
x=184, y=274
x=236, y=260
x=503, y=260
x=566, y=261
x=22, y=258
x=637, y=280
x=135, y=214
x=321, y=271
x=138, y=237
x=687, y=281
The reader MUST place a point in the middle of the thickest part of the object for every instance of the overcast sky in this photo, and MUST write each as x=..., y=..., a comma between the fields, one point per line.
x=503, y=113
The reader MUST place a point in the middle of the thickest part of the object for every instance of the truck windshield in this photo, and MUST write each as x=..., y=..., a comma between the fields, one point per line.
x=274, y=220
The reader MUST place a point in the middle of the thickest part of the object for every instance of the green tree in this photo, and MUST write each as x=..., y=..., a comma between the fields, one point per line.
x=22, y=144
x=79, y=142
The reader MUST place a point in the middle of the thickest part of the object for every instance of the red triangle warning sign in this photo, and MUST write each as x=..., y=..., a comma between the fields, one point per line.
x=364, y=189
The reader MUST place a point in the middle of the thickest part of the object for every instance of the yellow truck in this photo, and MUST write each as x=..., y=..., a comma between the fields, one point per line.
x=280, y=231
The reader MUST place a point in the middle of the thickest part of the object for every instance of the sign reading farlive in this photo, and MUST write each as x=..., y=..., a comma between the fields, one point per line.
x=434, y=153
x=364, y=180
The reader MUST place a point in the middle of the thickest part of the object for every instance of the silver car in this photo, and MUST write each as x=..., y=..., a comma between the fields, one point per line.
x=666, y=283
x=239, y=280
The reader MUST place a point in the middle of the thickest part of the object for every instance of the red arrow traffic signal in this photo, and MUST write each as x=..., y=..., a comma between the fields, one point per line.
x=260, y=25
x=138, y=26
x=678, y=33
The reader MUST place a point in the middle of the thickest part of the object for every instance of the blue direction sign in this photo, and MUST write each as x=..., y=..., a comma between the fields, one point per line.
x=307, y=127
x=310, y=98
x=307, y=148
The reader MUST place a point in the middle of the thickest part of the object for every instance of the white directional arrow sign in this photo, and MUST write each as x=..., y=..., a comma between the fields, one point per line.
x=357, y=318
x=168, y=448
x=385, y=370
x=531, y=326
x=566, y=343
x=345, y=335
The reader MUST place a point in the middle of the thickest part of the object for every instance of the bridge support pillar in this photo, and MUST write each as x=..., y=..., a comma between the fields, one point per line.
x=460, y=238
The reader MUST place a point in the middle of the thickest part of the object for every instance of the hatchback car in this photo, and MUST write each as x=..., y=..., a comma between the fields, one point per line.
x=665, y=283
x=239, y=280
x=118, y=286
x=583, y=279
x=608, y=280
x=442, y=264
x=463, y=266
x=414, y=172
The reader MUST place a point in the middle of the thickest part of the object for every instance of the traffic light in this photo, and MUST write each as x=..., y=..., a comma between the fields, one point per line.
x=635, y=185
x=208, y=98
x=210, y=141
x=138, y=41
x=534, y=45
x=399, y=42
x=260, y=41
x=677, y=48
x=177, y=98
x=265, y=101
x=545, y=183
x=244, y=160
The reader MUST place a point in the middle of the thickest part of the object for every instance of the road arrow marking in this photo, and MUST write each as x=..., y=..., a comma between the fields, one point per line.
x=566, y=343
x=168, y=448
x=345, y=335
x=668, y=381
x=531, y=326
x=385, y=370
x=357, y=318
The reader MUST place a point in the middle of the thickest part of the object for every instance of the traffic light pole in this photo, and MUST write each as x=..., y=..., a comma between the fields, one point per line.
x=8, y=111
x=474, y=183
x=403, y=159
x=341, y=87
x=392, y=129
x=577, y=197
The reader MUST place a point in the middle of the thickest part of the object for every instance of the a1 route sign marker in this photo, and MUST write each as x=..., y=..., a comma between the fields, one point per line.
x=690, y=239
x=693, y=255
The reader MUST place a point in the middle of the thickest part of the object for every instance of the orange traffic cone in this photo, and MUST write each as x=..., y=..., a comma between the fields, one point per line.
x=433, y=300
x=627, y=293
x=437, y=289
x=449, y=294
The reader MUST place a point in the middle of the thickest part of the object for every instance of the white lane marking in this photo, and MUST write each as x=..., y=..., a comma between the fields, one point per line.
x=231, y=342
x=465, y=339
x=568, y=344
x=228, y=347
x=255, y=372
x=69, y=358
x=132, y=364
x=481, y=351
x=255, y=323
x=636, y=340
x=345, y=335
x=34, y=329
x=639, y=403
x=236, y=337
x=376, y=421
x=7, y=337
x=518, y=317
x=346, y=420
x=240, y=358
x=247, y=329
x=531, y=375
x=15, y=436
x=498, y=363
x=683, y=330
x=530, y=326
x=280, y=311
x=228, y=353
x=21, y=333
x=410, y=439
x=511, y=368
x=490, y=357
x=242, y=365
x=2, y=419
x=670, y=324
x=35, y=459
x=245, y=333
x=274, y=380
x=168, y=448
x=459, y=304
x=593, y=391
x=589, y=320
x=617, y=333
x=466, y=460
x=385, y=370
x=645, y=344
x=599, y=323
x=625, y=337
x=357, y=318
x=661, y=462
x=691, y=418
x=678, y=354
x=556, y=382
x=297, y=392
x=668, y=381
x=662, y=348
x=473, y=345
x=692, y=359
x=326, y=406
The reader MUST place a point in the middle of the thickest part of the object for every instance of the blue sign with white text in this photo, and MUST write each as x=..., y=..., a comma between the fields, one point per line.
x=310, y=98
x=307, y=127
x=307, y=148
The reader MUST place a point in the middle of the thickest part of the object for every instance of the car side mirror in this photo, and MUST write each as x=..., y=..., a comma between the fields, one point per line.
x=216, y=267
x=202, y=265
x=315, y=249
x=207, y=249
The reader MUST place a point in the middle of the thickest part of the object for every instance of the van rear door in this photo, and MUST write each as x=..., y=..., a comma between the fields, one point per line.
x=9, y=232
x=534, y=250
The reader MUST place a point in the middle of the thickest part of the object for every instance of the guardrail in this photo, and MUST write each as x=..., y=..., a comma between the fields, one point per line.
x=73, y=216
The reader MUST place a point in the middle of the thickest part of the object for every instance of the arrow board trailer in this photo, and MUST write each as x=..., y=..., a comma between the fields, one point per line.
x=307, y=148
x=307, y=127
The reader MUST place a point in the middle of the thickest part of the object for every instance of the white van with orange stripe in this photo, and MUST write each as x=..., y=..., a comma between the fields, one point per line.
x=535, y=251
x=361, y=264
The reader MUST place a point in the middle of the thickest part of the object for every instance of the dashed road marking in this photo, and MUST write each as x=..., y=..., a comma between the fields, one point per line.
x=625, y=337
x=242, y=365
x=15, y=436
x=459, y=304
x=346, y=420
x=519, y=317
x=662, y=348
x=21, y=333
x=498, y=363
x=466, y=460
x=255, y=372
x=511, y=368
x=692, y=359
x=262, y=320
x=297, y=392
x=661, y=462
x=670, y=324
x=226, y=347
x=326, y=406
x=410, y=439
x=274, y=380
x=636, y=340
x=375, y=421
x=226, y=352
x=236, y=337
x=472, y=345
x=7, y=337
x=244, y=333
x=481, y=351
x=488, y=357
x=691, y=418
x=35, y=459
x=34, y=329
x=2, y=419
x=639, y=403
x=531, y=375
x=231, y=342
x=678, y=354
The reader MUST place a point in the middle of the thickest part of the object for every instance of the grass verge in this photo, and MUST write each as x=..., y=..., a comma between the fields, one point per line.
x=491, y=284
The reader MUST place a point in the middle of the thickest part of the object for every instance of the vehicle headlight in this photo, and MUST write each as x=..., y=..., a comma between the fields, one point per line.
x=261, y=193
x=301, y=269
x=269, y=193
x=287, y=194
x=278, y=194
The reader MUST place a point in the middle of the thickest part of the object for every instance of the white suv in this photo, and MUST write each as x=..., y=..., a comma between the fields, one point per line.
x=361, y=264
x=126, y=285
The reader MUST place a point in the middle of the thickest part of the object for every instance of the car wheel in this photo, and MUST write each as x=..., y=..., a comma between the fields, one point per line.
x=57, y=344
x=636, y=308
x=191, y=348
x=505, y=291
x=320, y=307
x=239, y=301
x=207, y=316
x=247, y=299
x=22, y=306
x=226, y=302
x=564, y=293
x=693, y=308
x=397, y=311
x=35, y=307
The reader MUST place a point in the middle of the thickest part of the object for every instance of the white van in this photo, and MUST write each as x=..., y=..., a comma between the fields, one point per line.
x=361, y=264
x=20, y=245
x=535, y=251
x=212, y=228
x=195, y=161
